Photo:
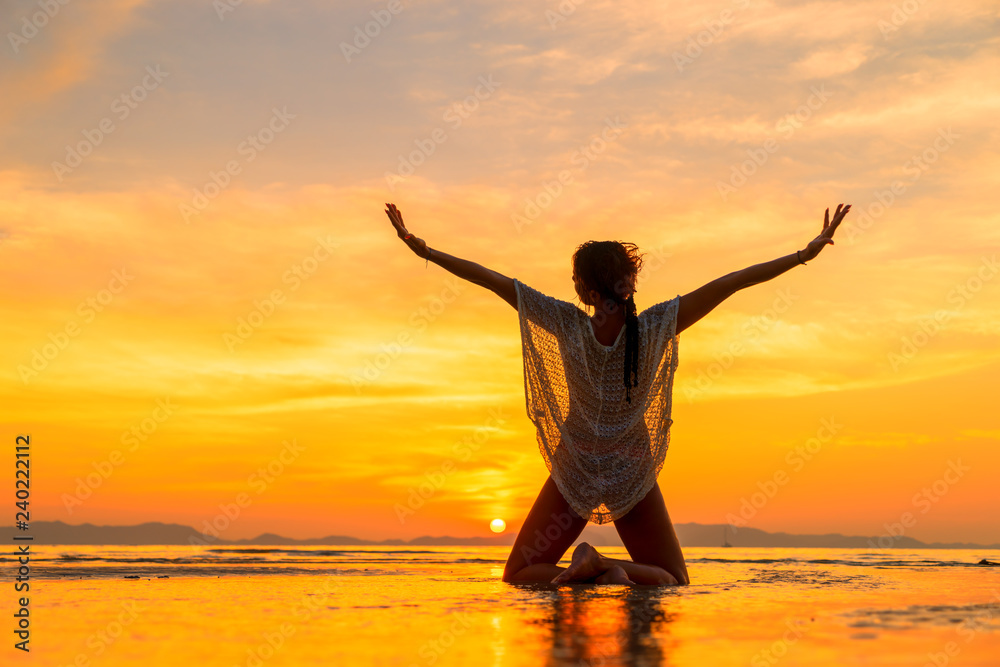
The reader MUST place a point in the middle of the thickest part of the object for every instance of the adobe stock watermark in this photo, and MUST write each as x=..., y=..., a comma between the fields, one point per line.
x=787, y=126
x=224, y=7
x=435, y=478
x=751, y=331
x=418, y=321
x=433, y=649
x=967, y=631
x=923, y=501
x=273, y=641
x=915, y=168
x=714, y=28
x=928, y=328
x=795, y=629
x=99, y=641
x=456, y=113
x=313, y=602
x=581, y=159
x=264, y=308
x=59, y=340
x=901, y=13
x=131, y=439
x=797, y=458
x=365, y=33
x=247, y=151
x=121, y=108
x=258, y=482
x=309, y=604
x=564, y=10
x=33, y=24
x=543, y=540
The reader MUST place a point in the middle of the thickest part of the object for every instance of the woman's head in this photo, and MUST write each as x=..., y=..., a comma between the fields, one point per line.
x=607, y=268
x=607, y=271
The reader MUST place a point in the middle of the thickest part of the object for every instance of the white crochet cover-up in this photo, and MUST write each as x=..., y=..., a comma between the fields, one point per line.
x=604, y=454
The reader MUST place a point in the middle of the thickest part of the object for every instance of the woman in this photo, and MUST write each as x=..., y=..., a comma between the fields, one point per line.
x=601, y=405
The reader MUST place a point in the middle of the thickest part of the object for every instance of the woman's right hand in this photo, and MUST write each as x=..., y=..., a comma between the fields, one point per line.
x=826, y=236
x=416, y=245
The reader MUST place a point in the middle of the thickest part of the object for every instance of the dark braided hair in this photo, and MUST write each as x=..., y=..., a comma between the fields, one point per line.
x=610, y=268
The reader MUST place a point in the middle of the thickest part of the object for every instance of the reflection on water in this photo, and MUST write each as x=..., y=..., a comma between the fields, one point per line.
x=444, y=606
x=610, y=625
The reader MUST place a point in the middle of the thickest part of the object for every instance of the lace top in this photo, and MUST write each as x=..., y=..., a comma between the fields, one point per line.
x=604, y=454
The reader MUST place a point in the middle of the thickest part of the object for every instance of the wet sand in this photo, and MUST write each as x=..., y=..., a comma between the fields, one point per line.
x=447, y=606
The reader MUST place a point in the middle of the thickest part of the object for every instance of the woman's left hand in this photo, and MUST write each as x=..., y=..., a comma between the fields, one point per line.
x=416, y=245
x=826, y=236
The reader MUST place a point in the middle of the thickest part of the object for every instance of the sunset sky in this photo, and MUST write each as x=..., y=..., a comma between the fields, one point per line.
x=197, y=271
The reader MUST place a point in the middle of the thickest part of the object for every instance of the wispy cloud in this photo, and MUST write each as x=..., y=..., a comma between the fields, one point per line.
x=786, y=107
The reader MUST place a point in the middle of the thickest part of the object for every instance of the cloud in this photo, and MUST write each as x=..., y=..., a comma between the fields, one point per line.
x=795, y=106
x=67, y=50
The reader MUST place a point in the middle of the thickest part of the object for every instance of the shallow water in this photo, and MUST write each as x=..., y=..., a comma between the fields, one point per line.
x=258, y=606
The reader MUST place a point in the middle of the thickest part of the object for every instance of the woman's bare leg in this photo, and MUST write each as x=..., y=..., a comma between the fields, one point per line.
x=549, y=530
x=650, y=539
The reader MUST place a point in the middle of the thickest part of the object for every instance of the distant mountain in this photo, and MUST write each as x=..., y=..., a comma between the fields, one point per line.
x=689, y=534
x=694, y=534
x=57, y=532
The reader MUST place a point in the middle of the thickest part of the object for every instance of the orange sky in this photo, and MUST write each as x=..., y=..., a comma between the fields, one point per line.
x=280, y=307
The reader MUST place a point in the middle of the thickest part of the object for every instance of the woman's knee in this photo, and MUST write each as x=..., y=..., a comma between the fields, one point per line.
x=515, y=563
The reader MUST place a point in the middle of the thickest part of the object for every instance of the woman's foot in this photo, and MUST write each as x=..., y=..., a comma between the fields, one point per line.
x=616, y=575
x=586, y=565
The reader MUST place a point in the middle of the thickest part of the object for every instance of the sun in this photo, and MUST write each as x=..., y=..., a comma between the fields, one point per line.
x=498, y=525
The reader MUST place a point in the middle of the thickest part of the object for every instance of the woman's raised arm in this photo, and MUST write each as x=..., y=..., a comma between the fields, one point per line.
x=498, y=283
x=702, y=301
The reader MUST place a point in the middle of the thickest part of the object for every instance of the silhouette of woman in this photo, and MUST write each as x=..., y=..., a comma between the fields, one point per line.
x=602, y=407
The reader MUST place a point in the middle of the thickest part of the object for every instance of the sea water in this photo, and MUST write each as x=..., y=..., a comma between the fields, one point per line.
x=417, y=606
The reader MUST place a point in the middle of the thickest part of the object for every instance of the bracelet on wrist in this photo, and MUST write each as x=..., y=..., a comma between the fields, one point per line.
x=799, y=256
